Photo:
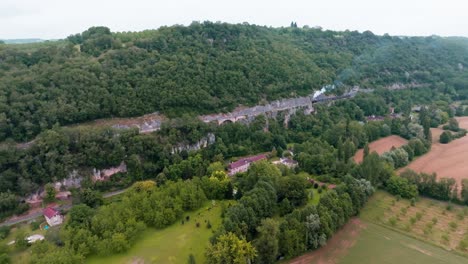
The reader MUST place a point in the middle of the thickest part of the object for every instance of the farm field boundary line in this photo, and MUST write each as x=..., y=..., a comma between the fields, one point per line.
x=414, y=237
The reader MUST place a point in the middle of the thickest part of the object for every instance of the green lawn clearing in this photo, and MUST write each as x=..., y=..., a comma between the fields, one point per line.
x=17, y=255
x=315, y=196
x=175, y=243
x=377, y=244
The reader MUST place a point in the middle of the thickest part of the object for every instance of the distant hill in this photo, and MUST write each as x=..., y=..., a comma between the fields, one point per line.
x=207, y=68
x=22, y=41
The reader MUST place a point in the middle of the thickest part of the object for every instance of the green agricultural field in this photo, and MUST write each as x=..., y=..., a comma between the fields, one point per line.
x=173, y=244
x=381, y=234
x=438, y=223
x=377, y=244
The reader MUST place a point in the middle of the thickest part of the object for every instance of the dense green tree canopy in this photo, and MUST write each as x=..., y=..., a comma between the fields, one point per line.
x=204, y=68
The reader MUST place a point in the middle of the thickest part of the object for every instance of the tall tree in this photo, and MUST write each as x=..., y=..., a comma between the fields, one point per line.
x=230, y=249
x=267, y=241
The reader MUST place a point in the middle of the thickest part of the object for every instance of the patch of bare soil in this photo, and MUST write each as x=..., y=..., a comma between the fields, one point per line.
x=336, y=247
x=381, y=146
x=447, y=160
x=436, y=132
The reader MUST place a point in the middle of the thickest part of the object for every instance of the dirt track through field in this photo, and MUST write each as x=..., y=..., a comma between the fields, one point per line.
x=380, y=146
x=336, y=247
x=447, y=160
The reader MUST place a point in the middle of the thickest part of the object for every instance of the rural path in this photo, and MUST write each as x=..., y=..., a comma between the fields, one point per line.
x=110, y=194
x=35, y=214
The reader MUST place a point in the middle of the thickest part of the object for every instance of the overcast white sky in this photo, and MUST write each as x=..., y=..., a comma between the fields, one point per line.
x=50, y=19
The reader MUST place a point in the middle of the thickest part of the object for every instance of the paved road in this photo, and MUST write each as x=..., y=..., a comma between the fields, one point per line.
x=110, y=194
x=60, y=208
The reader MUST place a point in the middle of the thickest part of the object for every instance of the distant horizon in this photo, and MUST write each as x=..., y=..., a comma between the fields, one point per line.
x=51, y=19
x=33, y=38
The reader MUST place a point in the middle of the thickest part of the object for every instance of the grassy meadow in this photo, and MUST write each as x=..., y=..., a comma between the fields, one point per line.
x=377, y=244
x=173, y=244
x=390, y=230
x=439, y=223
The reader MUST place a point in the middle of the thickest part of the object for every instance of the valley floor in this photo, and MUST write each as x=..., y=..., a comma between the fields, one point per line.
x=385, y=233
x=175, y=243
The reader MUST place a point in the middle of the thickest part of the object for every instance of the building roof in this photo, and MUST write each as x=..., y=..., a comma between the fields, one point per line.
x=375, y=118
x=246, y=160
x=34, y=238
x=50, y=212
x=289, y=161
x=64, y=194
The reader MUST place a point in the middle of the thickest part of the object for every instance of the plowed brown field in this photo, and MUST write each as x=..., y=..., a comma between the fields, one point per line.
x=447, y=160
x=380, y=146
x=337, y=246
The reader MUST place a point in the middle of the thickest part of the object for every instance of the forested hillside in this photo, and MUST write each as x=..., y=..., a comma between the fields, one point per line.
x=205, y=68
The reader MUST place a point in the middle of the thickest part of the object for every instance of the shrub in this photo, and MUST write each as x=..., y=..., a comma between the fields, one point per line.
x=434, y=220
x=392, y=221
x=407, y=227
x=4, y=232
x=418, y=216
x=412, y=220
x=463, y=245
x=403, y=211
x=453, y=226
x=35, y=225
x=449, y=207
x=445, y=238
x=429, y=225
x=208, y=225
x=445, y=137
x=427, y=231
x=402, y=187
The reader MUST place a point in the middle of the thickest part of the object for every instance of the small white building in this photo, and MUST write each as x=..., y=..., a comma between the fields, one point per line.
x=52, y=216
x=34, y=238
x=290, y=163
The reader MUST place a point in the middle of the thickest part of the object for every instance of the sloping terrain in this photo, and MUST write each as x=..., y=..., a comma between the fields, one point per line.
x=204, y=68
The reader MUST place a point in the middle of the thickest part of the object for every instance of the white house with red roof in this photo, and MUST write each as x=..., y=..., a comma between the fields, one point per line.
x=243, y=164
x=52, y=216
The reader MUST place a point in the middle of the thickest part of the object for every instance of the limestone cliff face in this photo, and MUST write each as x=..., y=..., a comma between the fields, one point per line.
x=209, y=139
